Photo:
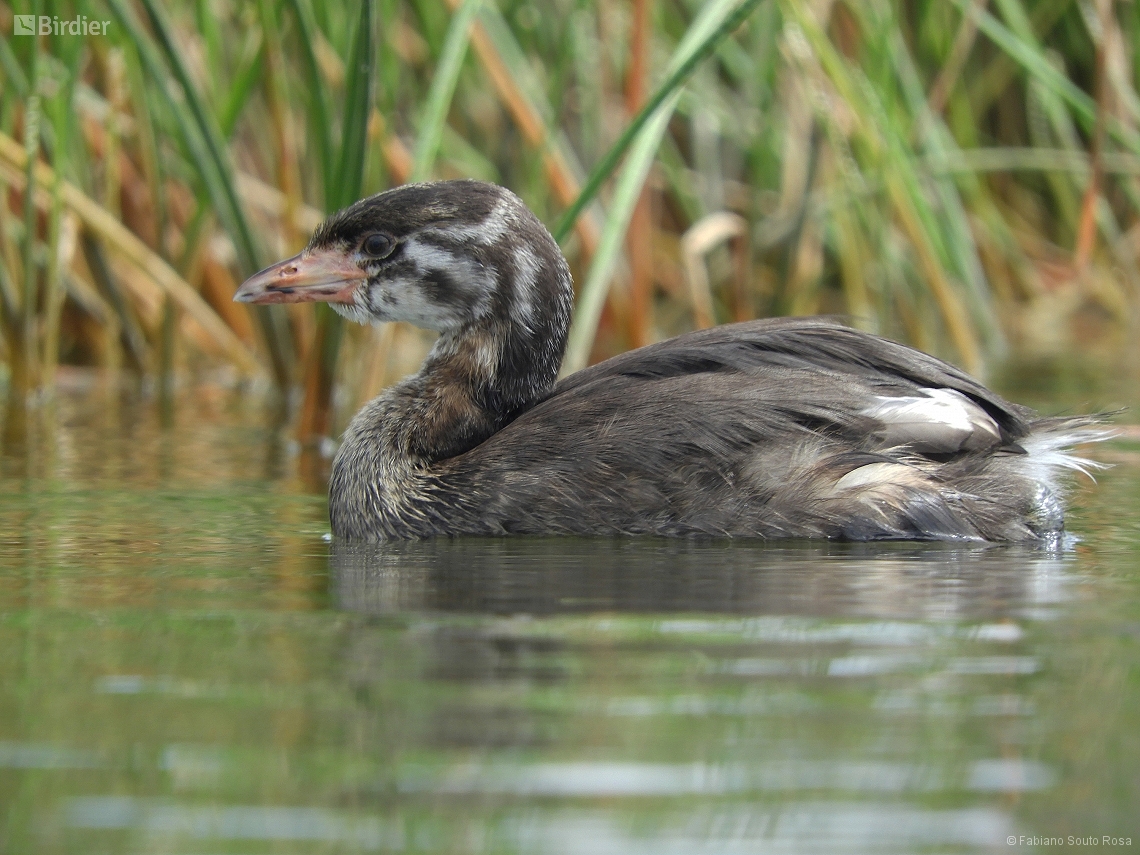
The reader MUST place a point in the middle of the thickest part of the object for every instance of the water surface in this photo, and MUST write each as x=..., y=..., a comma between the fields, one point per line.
x=187, y=665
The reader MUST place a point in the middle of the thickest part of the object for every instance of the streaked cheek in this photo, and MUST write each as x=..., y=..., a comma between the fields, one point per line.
x=407, y=300
x=419, y=308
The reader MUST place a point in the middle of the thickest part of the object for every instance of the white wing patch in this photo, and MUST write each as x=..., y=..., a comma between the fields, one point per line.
x=941, y=420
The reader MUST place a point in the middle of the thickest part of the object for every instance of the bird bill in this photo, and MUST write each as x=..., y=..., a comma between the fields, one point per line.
x=319, y=276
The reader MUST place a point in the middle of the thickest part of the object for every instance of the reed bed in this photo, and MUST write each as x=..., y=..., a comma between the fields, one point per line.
x=961, y=175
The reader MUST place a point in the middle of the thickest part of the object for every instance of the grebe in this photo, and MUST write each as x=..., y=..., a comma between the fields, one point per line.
x=790, y=427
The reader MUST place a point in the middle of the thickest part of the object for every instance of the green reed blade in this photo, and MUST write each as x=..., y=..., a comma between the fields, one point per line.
x=361, y=70
x=230, y=208
x=687, y=57
x=1031, y=58
x=245, y=82
x=26, y=359
x=316, y=90
x=592, y=295
x=13, y=75
x=316, y=417
x=953, y=221
x=443, y=89
x=715, y=22
x=211, y=163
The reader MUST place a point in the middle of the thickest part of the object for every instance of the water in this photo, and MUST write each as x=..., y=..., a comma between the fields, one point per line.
x=188, y=666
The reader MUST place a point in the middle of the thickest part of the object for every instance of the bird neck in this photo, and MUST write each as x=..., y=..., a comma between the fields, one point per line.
x=481, y=374
x=476, y=379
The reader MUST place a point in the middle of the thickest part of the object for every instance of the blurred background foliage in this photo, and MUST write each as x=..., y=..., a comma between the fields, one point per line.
x=963, y=175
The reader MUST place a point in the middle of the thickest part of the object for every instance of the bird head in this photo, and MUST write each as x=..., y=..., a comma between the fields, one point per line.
x=442, y=256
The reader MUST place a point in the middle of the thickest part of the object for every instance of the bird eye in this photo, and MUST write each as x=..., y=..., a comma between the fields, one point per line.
x=378, y=245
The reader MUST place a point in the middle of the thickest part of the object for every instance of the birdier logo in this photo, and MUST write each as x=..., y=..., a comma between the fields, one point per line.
x=49, y=25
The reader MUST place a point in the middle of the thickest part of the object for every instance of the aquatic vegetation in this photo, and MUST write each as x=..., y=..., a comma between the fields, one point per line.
x=961, y=176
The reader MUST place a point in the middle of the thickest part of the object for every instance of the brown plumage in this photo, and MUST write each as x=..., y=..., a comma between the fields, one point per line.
x=778, y=428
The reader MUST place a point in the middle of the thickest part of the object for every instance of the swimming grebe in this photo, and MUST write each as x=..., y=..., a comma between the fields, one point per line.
x=789, y=427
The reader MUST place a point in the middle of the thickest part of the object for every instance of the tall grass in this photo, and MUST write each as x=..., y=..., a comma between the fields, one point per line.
x=963, y=176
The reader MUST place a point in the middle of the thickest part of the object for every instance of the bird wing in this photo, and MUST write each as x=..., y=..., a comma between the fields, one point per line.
x=778, y=428
x=780, y=346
